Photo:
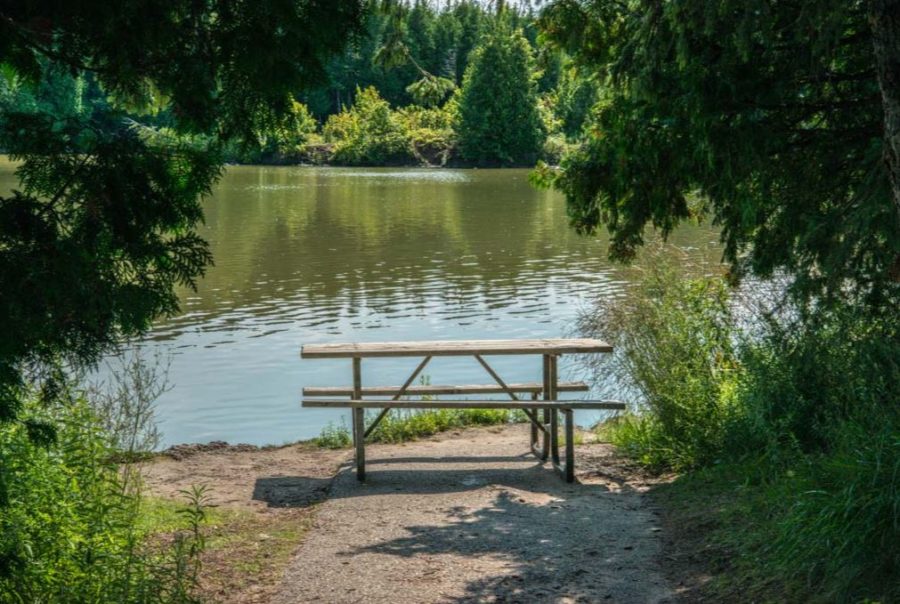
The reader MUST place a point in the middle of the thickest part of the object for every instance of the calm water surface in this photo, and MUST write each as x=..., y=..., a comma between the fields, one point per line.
x=309, y=255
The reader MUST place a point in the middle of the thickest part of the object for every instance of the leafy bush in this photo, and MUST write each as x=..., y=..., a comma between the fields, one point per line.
x=125, y=405
x=792, y=414
x=403, y=425
x=287, y=136
x=70, y=526
x=334, y=437
x=368, y=133
x=841, y=533
x=806, y=379
x=432, y=140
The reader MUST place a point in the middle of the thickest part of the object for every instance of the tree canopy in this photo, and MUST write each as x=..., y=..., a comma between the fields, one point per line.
x=103, y=225
x=767, y=117
x=499, y=119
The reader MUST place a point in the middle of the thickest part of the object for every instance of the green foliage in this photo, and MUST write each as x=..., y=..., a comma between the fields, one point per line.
x=806, y=382
x=793, y=417
x=71, y=528
x=772, y=112
x=368, y=133
x=674, y=357
x=572, y=100
x=432, y=140
x=430, y=90
x=499, y=121
x=412, y=53
x=103, y=226
x=94, y=244
x=405, y=425
x=334, y=437
x=841, y=532
x=285, y=140
x=213, y=65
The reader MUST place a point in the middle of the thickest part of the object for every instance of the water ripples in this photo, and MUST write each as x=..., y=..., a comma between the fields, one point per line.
x=317, y=255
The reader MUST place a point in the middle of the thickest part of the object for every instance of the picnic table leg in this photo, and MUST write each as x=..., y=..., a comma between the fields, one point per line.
x=359, y=426
x=534, y=431
x=569, y=470
x=547, y=395
x=554, y=438
x=553, y=413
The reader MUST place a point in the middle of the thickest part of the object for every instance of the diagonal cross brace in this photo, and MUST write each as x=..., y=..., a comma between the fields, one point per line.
x=531, y=414
x=397, y=396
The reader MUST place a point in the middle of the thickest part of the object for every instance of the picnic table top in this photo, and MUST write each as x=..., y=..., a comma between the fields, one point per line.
x=454, y=348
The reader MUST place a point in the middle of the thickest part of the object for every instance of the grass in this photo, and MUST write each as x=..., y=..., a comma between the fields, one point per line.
x=246, y=552
x=406, y=425
x=721, y=525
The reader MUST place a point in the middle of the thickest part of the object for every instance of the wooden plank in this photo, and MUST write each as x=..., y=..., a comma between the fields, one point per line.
x=529, y=387
x=462, y=404
x=454, y=348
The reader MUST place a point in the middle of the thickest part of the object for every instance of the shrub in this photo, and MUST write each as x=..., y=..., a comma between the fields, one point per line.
x=125, y=405
x=791, y=415
x=841, y=533
x=367, y=133
x=70, y=527
x=334, y=437
x=286, y=138
x=405, y=425
x=432, y=140
x=806, y=379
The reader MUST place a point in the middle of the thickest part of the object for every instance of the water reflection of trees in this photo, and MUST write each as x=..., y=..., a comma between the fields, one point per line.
x=385, y=238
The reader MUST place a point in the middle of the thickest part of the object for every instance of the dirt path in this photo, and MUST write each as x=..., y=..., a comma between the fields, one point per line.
x=471, y=517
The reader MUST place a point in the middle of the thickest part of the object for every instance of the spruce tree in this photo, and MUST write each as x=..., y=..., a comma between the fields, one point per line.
x=499, y=121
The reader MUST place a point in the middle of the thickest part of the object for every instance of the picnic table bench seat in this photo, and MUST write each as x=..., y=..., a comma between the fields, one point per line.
x=543, y=413
x=532, y=388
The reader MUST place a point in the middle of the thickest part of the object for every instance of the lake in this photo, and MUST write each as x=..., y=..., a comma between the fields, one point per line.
x=307, y=255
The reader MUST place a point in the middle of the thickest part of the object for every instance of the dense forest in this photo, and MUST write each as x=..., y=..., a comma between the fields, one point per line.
x=419, y=86
x=771, y=386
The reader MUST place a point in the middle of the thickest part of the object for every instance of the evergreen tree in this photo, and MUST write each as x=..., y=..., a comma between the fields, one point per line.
x=499, y=121
x=103, y=225
x=768, y=117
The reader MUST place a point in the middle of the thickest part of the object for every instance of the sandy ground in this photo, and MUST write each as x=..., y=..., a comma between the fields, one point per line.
x=262, y=480
x=467, y=516
x=471, y=517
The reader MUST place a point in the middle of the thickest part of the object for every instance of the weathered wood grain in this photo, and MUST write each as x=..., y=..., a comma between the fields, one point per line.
x=437, y=389
x=454, y=348
x=462, y=404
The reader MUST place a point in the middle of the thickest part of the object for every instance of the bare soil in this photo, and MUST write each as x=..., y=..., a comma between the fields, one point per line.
x=467, y=516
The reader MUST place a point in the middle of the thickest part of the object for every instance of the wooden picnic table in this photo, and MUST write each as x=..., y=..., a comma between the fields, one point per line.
x=548, y=405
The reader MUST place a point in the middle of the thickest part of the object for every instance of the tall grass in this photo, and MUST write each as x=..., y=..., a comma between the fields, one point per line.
x=675, y=361
x=402, y=425
x=793, y=414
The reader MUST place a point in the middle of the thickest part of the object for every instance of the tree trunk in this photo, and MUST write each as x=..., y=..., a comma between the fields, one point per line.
x=884, y=18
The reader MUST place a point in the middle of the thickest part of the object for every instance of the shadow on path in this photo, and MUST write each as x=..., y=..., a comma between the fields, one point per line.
x=432, y=524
